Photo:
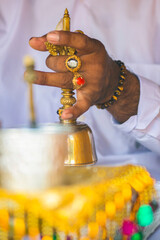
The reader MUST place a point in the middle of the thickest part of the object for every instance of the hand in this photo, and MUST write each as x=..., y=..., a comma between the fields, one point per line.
x=100, y=72
x=98, y=69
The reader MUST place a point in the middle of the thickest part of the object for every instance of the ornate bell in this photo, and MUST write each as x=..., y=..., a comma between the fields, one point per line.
x=76, y=137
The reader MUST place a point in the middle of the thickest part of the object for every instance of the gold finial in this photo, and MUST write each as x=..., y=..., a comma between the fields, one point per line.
x=67, y=100
x=30, y=77
x=66, y=21
x=66, y=13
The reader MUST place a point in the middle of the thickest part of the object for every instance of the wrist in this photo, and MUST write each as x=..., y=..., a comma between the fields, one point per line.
x=125, y=104
x=114, y=92
x=113, y=79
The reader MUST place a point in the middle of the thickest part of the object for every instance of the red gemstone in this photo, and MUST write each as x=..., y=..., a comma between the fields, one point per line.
x=80, y=81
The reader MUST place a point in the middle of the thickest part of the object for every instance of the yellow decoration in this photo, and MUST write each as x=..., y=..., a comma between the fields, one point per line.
x=127, y=192
x=137, y=185
x=19, y=227
x=145, y=179
x=95, y=198
x=93, y=229
x=47, y=238
x=110, y=209
x=119, y=200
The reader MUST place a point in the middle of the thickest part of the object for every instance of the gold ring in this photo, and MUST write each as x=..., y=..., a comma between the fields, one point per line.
x=73, y=63
x=78, y=81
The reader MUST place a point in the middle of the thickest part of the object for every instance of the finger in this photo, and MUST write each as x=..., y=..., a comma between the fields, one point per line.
x=58, y=63
x=62, y=80
x=38, y=43
x=77, y=110
x=73, y=39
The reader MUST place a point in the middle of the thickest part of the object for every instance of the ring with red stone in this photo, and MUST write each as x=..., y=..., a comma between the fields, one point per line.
x=78, y=81
x=73, y=63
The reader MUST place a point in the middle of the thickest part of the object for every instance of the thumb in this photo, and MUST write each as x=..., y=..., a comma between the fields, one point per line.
x=77, y=110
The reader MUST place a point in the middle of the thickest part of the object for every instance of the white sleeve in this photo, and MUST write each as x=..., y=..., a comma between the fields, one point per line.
x=145, y=126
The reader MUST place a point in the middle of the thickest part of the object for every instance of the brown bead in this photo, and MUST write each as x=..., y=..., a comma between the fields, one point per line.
x=121, y=82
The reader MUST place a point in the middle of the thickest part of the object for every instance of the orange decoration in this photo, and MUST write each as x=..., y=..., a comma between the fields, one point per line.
x=4, y=219
x=101, y=218
x=119, y=200
x=93, y=229
x=110, y=209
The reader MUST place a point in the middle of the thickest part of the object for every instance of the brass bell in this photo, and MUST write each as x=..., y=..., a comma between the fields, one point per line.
x=76, y=137
x=75, y=141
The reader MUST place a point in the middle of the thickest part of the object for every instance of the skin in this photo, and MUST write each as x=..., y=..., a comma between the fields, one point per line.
x=100, y=72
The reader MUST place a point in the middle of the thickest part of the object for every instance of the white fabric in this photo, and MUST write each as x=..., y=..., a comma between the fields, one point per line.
x=130, y=31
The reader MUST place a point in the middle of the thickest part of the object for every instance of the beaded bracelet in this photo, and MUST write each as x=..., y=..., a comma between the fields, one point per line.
x=119, y=88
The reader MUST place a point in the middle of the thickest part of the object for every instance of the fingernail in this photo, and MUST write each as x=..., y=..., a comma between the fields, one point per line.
x=53, y=37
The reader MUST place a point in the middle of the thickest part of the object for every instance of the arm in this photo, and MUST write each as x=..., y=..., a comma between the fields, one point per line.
x=101, y=74
x=145, y=125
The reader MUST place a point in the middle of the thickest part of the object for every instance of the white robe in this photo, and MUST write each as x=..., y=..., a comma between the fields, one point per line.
x=130, y=31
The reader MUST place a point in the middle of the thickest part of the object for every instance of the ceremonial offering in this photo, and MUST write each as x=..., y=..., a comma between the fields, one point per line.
x=89, y=203
x=44, y=196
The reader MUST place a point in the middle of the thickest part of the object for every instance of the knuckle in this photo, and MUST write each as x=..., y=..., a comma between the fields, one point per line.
x=51, y=63
x=60, y=64
x=99, y=45
x=56, y=63
x=48, y=61
x=84, y=41
x=65, y=37
x=98, y=69
x=42, y=79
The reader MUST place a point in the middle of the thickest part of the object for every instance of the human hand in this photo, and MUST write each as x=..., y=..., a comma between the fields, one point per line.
x=100, y=72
